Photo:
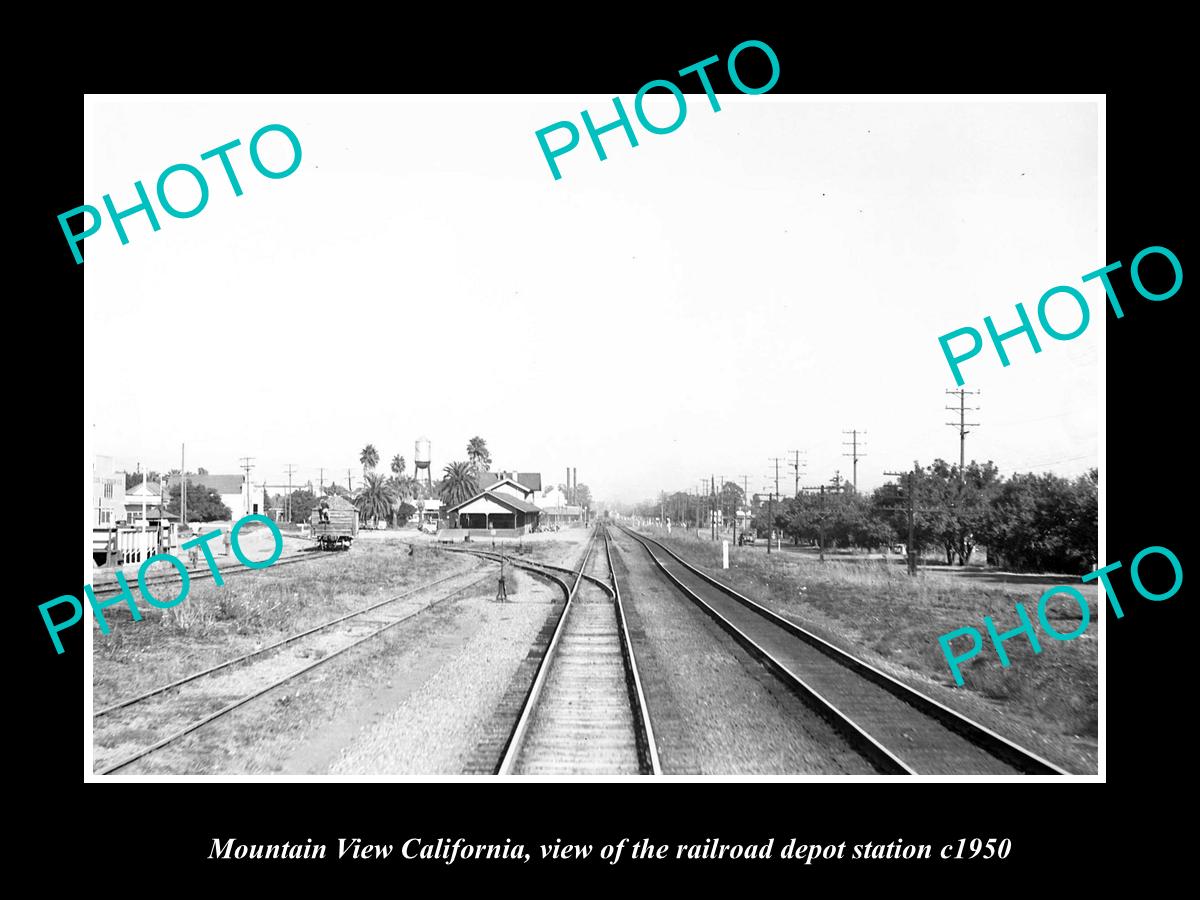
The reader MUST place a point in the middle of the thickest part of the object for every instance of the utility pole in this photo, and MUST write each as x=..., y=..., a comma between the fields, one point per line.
x=961, y=425
x=910, y=491
x=797, y=466
x=246, y=466
x=853, y=445
x=822, y=514
x=770, y=520
x=182, y=486
x=288, y=514
x=712, y=507
x=776, y=460
x=771, y=501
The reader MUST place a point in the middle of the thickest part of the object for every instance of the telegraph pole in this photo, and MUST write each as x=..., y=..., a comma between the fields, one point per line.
x=770, y=519
x=182, y=486
x=853, y=445
x=910, y=491
x=776, y=460
x=822, y=514
x=771, y=500
x=246, y=466
x=288, y=513
x=712, y=507
x=961, y=425
x=796, y=466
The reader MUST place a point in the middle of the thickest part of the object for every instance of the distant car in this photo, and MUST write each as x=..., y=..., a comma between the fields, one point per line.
x=747, y=538
x=429, y=528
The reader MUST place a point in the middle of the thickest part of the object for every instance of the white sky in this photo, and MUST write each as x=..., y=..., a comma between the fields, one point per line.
x=753, y=283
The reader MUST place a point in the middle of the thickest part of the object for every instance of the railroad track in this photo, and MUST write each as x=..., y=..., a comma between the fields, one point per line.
x=897, y=728
x=106, y=589
x=275, y=671
x=585, y=711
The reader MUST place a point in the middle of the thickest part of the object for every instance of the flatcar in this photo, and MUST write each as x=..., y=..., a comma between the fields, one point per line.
x=338, y=527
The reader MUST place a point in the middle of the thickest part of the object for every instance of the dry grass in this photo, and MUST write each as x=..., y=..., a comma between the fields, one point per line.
x=253, y=609
x=874, y=609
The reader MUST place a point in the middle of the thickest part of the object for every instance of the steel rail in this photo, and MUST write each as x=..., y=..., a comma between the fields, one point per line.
x=513, y=746
x=878, y=755
x=647, y=747
x=981, y=736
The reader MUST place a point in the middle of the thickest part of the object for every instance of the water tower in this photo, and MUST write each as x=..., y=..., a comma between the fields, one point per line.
x=421, y=461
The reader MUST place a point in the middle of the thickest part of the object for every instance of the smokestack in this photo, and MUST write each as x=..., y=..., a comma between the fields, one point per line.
x=575, y=485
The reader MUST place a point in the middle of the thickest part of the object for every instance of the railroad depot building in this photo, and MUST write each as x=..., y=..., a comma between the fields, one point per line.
x=497, y=509
x=526, y=485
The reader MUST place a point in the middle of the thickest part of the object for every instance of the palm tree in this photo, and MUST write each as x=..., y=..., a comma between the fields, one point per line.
x=375, y=498
x=458, y=483
x=369, y=458
x=477, y=453
x=401, y=489
x=398, y=465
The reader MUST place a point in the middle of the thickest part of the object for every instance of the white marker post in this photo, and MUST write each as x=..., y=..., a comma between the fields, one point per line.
x=724, y=554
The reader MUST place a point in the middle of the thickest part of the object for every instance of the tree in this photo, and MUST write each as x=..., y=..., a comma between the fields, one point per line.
x=962, y=505
x=583, y=495
x=202, y=471
x=1044, y=523
x=375, y=499
x=203, y=504
x=402, y=490
x=478, y=455
x=369, y=458
x=730, y=499
x=302, y=504
x=398, y=465
x=334, y=489
x=458, y=483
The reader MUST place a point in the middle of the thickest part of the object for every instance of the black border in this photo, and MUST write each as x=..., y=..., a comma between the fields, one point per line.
x=170, y=829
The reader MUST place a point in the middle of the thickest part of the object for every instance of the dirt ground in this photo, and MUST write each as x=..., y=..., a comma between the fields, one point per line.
x=1046, y=702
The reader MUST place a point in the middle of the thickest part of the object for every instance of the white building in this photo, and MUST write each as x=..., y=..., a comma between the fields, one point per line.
x=108, y=493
